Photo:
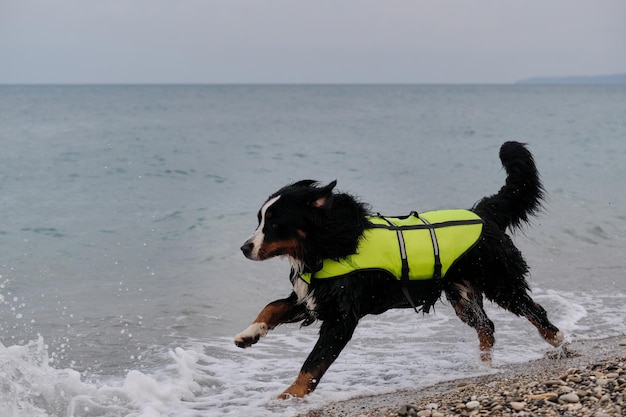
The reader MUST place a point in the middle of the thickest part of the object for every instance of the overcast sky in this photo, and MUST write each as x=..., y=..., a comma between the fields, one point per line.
x=316, y=41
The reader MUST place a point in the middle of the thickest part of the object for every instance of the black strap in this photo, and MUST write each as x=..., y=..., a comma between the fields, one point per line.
x=433, y=238
x=405, y=262
x=403, y=255
x=405, y=291
x=448, y=223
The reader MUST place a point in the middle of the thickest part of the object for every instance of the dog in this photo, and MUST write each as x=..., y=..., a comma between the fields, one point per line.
x=316, y=228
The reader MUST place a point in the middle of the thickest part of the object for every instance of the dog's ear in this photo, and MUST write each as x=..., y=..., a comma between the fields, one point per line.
x=324, y=196
x=304, y=183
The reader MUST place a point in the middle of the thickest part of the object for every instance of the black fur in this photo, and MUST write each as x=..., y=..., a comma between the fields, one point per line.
x=310, y=222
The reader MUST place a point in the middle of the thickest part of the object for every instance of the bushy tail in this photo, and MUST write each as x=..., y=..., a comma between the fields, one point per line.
x=521, y=195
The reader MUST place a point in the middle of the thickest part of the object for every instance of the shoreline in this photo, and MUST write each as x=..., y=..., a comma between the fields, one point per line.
x=523, y=389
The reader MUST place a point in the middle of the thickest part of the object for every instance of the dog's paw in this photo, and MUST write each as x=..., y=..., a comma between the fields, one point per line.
x=251, y=335
x=485, y=357
x=304, y=384
x=293, y=391
x=556, y=340
x=285, y=396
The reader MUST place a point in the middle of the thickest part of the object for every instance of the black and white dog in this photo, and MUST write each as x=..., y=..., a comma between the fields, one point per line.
x=309, y=223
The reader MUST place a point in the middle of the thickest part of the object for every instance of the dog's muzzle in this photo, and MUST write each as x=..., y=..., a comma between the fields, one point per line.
x=247, y=248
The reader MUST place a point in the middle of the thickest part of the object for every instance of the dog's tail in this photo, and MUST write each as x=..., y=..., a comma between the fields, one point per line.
x=521, y=195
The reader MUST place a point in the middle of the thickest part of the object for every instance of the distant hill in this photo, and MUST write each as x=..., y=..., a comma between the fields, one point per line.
x=580, y=80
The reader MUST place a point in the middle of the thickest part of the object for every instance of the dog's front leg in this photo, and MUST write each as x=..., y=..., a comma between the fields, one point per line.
x=334, y=335
x=286, y=310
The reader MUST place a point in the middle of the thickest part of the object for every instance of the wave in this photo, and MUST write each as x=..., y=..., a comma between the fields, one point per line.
x=397, y=351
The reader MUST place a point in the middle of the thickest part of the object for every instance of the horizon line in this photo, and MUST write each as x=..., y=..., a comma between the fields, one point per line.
x=547, y=81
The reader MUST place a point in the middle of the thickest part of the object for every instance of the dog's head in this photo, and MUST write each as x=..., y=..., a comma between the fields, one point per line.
x=286, y=220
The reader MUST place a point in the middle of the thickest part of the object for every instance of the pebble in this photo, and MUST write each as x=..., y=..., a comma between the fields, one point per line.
x=569, y=398
x=565, y=390
x=575, y=378
x=472, y=405
x=517, y=405
x=553, y=382
x=597, y=390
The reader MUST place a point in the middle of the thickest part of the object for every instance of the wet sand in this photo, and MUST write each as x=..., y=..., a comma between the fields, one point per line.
x=584, y=378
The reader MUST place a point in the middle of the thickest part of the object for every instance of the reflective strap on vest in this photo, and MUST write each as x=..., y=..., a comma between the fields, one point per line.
x=433, y=237
x=404, y=274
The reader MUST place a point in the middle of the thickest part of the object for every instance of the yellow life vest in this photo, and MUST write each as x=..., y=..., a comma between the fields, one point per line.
x=414, y=247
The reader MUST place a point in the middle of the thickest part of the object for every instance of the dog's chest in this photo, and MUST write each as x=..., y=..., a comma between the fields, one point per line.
x=305, y=296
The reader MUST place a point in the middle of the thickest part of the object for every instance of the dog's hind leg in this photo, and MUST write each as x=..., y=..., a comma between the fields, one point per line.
x=334, y=335
x=468, y=305
x=521, y=304
x=286, y=310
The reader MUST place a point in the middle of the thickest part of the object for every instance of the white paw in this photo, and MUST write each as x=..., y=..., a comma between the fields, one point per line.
x=251, y=335
x=558, y=339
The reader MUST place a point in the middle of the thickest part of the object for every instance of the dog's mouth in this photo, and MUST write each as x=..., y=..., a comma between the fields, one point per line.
x=268, y=250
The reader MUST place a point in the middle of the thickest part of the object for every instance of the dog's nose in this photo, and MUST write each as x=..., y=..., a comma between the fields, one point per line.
x=246, y=248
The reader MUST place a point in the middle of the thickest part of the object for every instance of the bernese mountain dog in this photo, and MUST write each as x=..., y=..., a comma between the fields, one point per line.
x=316, y=228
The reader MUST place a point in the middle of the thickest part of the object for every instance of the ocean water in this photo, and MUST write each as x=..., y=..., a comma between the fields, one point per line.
x=122, y=209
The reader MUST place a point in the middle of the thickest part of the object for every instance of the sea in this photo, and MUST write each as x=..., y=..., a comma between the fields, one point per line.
x=122, y=210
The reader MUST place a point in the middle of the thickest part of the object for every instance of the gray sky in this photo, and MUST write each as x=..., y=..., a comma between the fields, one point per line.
x=320, y=41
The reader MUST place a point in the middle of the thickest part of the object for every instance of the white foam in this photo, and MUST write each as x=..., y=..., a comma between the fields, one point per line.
x=30, y=387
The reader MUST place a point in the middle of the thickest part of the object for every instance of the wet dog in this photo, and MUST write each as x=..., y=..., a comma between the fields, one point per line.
x=311, y=224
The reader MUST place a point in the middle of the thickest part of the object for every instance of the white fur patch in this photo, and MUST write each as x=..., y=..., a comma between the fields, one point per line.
x=254, y=331
x=258, y=236
x=296, y=264
x=301, y=289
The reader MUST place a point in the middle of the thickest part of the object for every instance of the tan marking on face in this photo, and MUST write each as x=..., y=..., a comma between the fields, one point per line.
x=284, y=247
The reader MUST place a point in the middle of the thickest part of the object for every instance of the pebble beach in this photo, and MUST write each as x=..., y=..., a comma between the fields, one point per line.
x=584, y=378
